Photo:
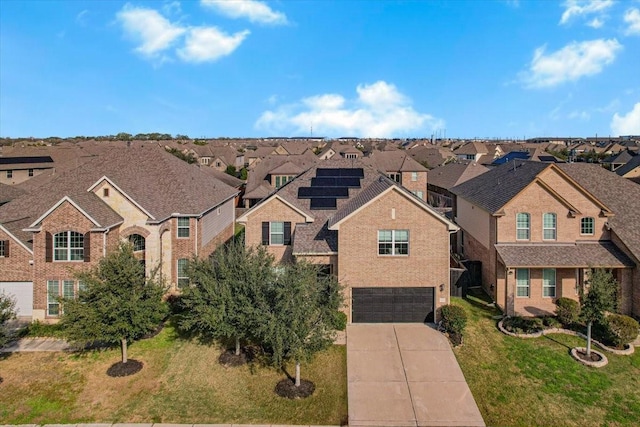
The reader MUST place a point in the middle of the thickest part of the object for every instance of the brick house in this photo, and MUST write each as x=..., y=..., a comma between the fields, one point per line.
x=384, y=244
x=169, y=210
x=403, y=169
x=537, y=228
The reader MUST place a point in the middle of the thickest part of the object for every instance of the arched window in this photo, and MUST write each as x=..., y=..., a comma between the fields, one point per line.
x=68, y=246
x=549, y=226
x=523, y=225
x=138, y=242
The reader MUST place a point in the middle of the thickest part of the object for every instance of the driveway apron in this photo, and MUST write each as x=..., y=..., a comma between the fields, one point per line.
x=405, y=375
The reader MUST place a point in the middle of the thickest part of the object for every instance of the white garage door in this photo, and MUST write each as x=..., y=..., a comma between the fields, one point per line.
x=22, y=292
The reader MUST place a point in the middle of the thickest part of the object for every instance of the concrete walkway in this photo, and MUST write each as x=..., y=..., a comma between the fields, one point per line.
x=405, y=375
x=158, y=425
x=36, y=344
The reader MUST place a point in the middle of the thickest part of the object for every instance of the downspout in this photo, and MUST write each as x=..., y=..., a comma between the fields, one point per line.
x=196, y=241
x=104, y=243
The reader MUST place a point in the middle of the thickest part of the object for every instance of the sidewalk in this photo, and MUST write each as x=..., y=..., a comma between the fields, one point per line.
x=36, y=344
x=160, y=425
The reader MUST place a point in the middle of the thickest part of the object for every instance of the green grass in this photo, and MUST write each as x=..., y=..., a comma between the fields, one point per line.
x=181, y=382
x=535, y=382
x=38, y=329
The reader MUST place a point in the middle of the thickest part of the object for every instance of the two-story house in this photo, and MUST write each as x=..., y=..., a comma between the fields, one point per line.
x=403, y=169
x=169, y=210
x=384, y=244
x=538, y=228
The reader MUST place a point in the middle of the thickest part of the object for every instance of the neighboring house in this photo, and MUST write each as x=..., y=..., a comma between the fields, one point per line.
x=349, y=152
x=618, y=160
x=386, y=246
x=536, y=155
x=169, y=210
x=537, y=228
x=442, y=179
x=431, y=157
x=401, y=168
x=630, y=169
x=14, y=170
x=471, y=151
x=272, y=173
x=327, y=152
x=253, y=157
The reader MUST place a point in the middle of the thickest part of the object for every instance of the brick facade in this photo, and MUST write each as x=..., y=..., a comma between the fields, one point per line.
x=16, y=267
x=420, y=184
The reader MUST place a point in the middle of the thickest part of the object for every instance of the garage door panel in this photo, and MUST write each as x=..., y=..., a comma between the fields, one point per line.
x=386, y=305
x=22, y=292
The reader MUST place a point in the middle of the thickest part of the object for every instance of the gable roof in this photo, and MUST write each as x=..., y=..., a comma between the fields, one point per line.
x=395, y=161
x=629, y=166
x=473, y=147
x=89, y=205
x=452, y=174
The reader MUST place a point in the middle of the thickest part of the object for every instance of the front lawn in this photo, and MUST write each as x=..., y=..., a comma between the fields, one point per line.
x=181, y=382
x=535, y=382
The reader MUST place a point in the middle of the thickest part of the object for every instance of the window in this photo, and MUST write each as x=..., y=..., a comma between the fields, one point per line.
x=522, y=226
x=276, y=233
x=183, y=279
x=4, y=248
x=350, y=156
x=183, y=227
x=30, y=172
x=395, y=176
x=549, y=282
x=282, y=180
x=105, y=192
x=138, y=242
x=587, y=226
x=549, y=226
x=419, y=193
x=414, y=176
x=393, y=242
x=68, y=246
x=522, y=282
x=60, y=288
x=470, y=156
x=204, y=161
x=218, y=164
x=9, y=174
x=325, y=270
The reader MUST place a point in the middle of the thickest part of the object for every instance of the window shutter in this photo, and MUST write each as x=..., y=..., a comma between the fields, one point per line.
x=6, y=248
x=87, y=246
x=48, y=250
x=265, y=233
x=287, y=233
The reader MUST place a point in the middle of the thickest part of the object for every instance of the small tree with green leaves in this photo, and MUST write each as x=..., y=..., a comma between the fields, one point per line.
x=226, y=299
x=600, y=298
x=231, y=170
x=117, y=303
x=304, y=313
x=7, y=312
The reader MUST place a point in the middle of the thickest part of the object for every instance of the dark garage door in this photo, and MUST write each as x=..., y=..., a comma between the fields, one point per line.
x=386, y=305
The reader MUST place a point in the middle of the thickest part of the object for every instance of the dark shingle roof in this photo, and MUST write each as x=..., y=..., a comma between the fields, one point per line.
x=492, y=190
x=629, y=166
x=9, y=192
x=582, y=255
x=452, y=174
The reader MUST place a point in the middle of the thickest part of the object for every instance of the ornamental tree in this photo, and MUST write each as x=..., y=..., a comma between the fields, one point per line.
x=225, y=299
x=116, y=302
x=600, y=298
x=7, y=312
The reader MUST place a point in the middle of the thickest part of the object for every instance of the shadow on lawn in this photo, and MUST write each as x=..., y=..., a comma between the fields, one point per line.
x=479, y=299
x=550, y=338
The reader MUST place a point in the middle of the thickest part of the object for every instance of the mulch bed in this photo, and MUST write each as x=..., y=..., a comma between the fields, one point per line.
x=594, y=356
x=287, y=388
x=124, y=369
x=229, y=358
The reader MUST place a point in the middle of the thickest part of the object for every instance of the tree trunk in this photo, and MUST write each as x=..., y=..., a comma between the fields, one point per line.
x=237, y=346
x=589, y=339
x=123, y=342
x=297, y=374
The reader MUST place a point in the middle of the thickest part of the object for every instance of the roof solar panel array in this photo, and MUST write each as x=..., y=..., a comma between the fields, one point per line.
x=330, y=184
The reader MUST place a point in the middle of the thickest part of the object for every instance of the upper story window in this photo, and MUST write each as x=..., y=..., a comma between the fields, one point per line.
x=350, y=156
x=218, y=163
x=522, y=282
x=470, y=156
x=419, y=193
x=549, y=226
x=4, y=248
x=414, y=176
x=587, y=226
x=9, y=174
x=393, y=242
x=138, y=242
x=30, y=172
x=282, y=180
x=68, y=246
x=105, y=192
x=395, y=176
x=204, y=161
x=276, y=233
x=183, y=227
x=523, y=226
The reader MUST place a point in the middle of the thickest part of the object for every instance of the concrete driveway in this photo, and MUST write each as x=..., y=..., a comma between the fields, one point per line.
x=405, y=375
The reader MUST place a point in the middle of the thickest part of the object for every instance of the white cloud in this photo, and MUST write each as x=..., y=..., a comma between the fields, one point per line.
x=206, y=44
x=632, y=17
x=153, y=31
x=628, y=124
x=379, y=110
x=253, y=10
x=595, y=23
x=583, y=7
x=581, y=115
x=81, y=17
x=575, y=60
x=172, y=8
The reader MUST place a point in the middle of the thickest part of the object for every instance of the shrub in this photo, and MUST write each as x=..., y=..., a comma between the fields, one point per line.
x=621, y=329
x=551, y=322
x=523, y=325
x=567, y=310
x=340, y=321
x=454, y=319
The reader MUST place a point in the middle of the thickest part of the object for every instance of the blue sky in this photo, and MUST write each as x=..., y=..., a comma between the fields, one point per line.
x=367, y=68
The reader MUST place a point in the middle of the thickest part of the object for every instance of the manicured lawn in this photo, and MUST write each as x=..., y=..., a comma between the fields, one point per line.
x=181, y=382
x=535, y=382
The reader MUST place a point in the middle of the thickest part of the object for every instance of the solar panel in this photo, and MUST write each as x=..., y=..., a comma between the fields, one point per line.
x=335, y=182
x=323, y=192
x=340, y=172
x=323, y=204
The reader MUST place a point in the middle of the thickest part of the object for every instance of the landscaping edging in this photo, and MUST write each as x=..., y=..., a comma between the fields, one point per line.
x=626, y=352
x=599, y=364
